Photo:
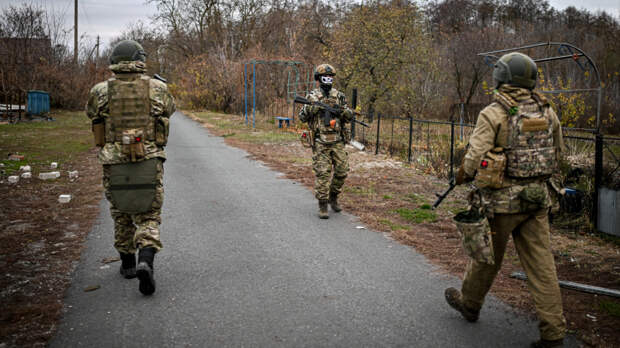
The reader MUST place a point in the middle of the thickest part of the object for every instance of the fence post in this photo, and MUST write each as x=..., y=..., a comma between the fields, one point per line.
x=452, y=148
x=245, y=85
x=598, y=176
x=378, y=129
x=354, y=106
x=410, y=137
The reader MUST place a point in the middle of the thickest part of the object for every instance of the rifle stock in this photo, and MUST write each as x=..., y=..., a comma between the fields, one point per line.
x=441, y=197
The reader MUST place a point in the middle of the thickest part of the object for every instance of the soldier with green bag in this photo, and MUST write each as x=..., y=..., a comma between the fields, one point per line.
x=130, y=114
x=513, y=151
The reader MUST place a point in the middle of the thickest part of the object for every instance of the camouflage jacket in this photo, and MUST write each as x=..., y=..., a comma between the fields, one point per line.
x=491, y=132
x=162, y=105
x=311, y=114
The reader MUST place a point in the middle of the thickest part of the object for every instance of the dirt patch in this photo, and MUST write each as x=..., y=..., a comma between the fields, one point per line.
x=379, y=188
x=40, y=244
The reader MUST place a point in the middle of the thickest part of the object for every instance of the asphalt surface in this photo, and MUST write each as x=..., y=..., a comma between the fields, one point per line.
x=247, y=263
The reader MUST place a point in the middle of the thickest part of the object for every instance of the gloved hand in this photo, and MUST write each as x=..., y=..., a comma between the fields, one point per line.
x=461, y=177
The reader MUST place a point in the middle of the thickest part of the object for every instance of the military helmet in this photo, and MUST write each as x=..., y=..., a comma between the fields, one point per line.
x=127, y=50
x=324, y=69
x=515, y=69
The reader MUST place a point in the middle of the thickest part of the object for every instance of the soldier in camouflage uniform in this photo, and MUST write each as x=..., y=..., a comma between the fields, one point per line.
x=329, y=137
x=130, y=114
x=521, y=126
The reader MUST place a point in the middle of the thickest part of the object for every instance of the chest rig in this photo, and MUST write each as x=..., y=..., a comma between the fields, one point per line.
x=328, y=124
x=530, y=151
x=130, y=107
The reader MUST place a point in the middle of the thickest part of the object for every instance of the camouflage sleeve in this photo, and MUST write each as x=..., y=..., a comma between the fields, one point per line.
x=481, y=141
x=347, y=114
x=97, y=100
x=558, y=140
x=307, y=112
x=161, y=100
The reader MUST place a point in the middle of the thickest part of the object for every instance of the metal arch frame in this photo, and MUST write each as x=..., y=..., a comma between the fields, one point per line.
x=567, y=48
x=290, y=95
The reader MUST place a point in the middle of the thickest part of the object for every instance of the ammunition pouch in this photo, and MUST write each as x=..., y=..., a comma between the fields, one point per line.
x=491, y=171
x=98, y=128
x=133, y=185
x=132, y=144
x=330, y=138
x=162, y=128
x=476, y=236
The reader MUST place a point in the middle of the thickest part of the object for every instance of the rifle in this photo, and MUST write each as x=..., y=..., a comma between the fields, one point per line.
x=334, y=110
x=441, y=197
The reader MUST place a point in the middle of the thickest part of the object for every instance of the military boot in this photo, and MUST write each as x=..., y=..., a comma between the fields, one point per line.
x=333, y=201
x=542, y=343
x=144, y=271
x=455, y=300
x=128, y=265
x=323, y=213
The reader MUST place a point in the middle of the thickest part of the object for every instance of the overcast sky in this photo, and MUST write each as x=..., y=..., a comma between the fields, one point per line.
x=108, y=18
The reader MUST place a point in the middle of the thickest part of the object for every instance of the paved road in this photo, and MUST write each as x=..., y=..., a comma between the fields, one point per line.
x=246, y=262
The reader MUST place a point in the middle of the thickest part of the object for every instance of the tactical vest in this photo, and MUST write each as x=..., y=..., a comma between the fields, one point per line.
x=328, y=127
x=130, y=106
x=530, y=151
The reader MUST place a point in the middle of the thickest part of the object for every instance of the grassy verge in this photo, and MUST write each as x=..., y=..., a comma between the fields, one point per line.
x=61, y=141
x=40, y=238
x=391, y=196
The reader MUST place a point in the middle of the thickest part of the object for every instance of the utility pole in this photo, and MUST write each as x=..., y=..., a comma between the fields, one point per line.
x=75, y=33
x=97, y=55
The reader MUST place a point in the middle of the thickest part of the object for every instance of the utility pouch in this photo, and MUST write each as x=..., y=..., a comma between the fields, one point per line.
x=133, y=185
x=162, y=127
x=306, y=138
x=132, y=144
x=476, y=236
x=491, y=170
x=98, y=128
x=533, y=197
x=329, y=138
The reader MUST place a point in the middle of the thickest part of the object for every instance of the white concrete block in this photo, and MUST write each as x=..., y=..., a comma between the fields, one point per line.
x=49, y=175
x=64, y=198
x=26, y=175
x=73, y=174
x=25, y=169
x=53, y=165
x=13, y=179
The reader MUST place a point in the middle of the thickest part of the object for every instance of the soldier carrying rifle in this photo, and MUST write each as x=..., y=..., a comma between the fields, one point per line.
x=329, y=136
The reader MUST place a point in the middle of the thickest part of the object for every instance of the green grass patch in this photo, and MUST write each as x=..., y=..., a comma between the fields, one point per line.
x=388, y=196
x=610, y=307
x=393, y=226
x=42, y=142
x=418, y=215
x=415, y=198
x=299, y=160
x=358, y=190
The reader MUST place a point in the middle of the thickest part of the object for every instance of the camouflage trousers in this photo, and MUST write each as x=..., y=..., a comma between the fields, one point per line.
x=531, y=237
x=135, y=231
x=325, y=157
